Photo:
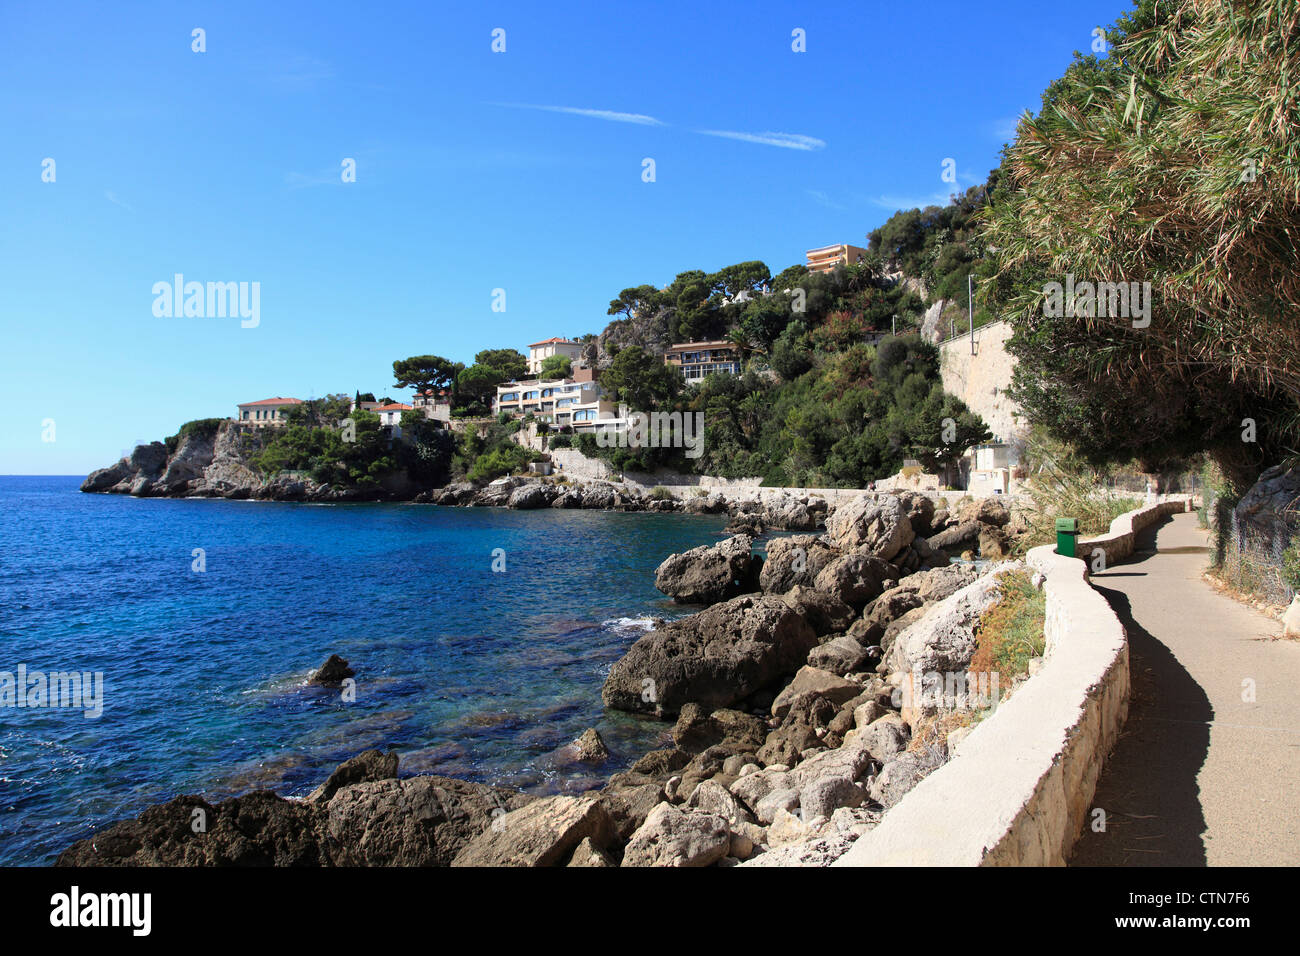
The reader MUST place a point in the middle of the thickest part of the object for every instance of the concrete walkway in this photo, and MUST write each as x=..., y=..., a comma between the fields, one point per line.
x=1200, y=775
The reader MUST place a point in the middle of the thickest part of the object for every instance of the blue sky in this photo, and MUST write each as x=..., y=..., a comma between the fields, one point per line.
x=475, y=171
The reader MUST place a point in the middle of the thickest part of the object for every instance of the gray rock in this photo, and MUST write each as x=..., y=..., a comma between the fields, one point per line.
x=825, y=612
x=715, y=658
x=897, y=778
x=841, y=655
x=364, y=767
x=712, y=797
x=419, y=821
x=590, y=747
x=855, y=578
x=672, y=837
x=878, y=526
x=797, y=559
x=710, y=573
x=542, y=833
x=776, y=800
x=813, y=680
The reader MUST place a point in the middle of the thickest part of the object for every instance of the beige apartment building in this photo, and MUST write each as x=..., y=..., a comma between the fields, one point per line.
x=695, y=360
x=269, y=411
x=539, y=352
x=828, y=257
x=549, y=401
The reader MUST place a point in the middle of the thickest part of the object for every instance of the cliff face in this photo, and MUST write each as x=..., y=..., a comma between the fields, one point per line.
x=209, y=467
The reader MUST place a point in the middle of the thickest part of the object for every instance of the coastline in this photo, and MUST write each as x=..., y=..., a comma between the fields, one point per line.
x=713, y=747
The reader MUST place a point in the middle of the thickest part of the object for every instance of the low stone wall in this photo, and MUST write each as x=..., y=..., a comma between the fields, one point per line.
x=1018, y=790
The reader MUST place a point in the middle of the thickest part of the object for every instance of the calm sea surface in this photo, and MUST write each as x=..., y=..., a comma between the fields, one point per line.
x=464, y=671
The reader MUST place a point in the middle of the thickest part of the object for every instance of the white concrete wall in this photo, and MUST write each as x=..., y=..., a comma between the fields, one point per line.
x=1018, y=790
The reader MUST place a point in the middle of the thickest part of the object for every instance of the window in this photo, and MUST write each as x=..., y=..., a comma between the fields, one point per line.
x=509, y=397
x=532, y=394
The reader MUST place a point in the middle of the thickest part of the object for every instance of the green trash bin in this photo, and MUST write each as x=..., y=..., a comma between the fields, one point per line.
x=1067, y=534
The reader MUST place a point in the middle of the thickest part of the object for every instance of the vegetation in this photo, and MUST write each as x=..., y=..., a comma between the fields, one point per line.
x=202, y=428
x=1010, y=632
x=1062, y=485
x=1173, y=161
x=492, y=454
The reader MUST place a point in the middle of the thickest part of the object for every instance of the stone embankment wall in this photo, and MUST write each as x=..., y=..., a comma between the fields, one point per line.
x=1018, y=790
x=981, y=380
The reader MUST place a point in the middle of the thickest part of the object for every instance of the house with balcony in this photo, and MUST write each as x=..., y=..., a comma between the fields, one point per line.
x=550, y=401
x=695, y=360
x=539, y=352
x=269, y=411
x=828, y=257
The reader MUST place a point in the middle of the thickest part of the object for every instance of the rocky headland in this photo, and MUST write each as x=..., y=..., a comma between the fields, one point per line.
x=791, y=735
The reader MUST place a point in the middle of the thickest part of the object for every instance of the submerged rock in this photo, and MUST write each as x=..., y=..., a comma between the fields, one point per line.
x=332, y=673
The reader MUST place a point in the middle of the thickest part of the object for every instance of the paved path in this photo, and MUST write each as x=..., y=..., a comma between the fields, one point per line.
x=1199, y=776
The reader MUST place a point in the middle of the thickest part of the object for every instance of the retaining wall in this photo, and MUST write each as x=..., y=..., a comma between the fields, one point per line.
x=1019, y=788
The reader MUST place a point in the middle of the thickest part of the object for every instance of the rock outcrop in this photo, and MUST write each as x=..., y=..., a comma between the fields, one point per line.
x=711, y=573
x=714, y=658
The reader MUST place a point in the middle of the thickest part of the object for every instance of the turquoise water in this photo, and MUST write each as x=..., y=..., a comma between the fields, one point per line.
x=464, y=671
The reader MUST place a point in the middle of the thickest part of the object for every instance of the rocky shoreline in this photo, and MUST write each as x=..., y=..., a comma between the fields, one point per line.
x=793, y=732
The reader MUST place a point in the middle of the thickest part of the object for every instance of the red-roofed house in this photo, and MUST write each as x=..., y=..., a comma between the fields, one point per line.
x=269, y=411
x=539, y=352
x=391, y=414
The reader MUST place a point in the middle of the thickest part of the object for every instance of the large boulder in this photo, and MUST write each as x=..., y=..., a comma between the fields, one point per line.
x=672, y=837
x=715, y=658
x=856, y=578
x=986, y=511
x=529, y=496
x=942, y=642
x=257, y=829
x=994, y=544
x=542, y=833
x=825, y=612
x=812, y=680
x=711, y=573
x=696, y=730
x=899, y=776
x=791, y=514
x=881, y=612
x=920, y=511
x=419, y=821
x=879, y=526
x=797, y=559
x=1269, y=512
x=841, y=655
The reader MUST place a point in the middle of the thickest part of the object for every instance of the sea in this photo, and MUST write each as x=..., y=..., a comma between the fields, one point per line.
x=480, y=638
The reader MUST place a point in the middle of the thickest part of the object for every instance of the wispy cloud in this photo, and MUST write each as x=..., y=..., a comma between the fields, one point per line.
x=327, y=177
x=112, y=197
x=783, y=140
x=894, y=202
x=613, y=116
x=821, y=199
